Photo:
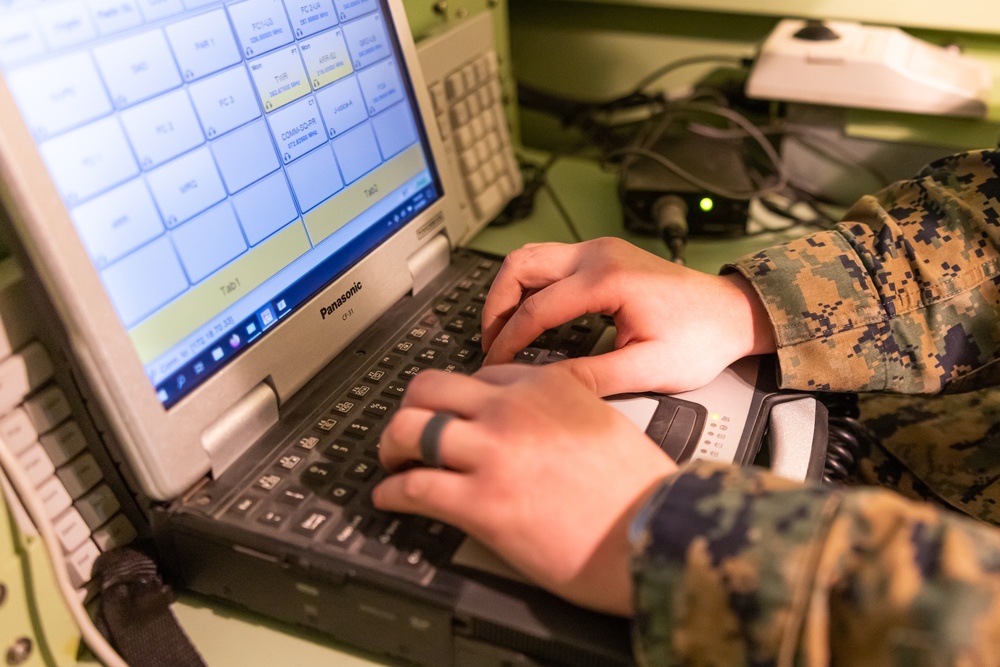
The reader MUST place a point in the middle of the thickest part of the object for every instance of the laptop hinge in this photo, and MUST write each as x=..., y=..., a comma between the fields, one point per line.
x=240, y=427
x=426, y=263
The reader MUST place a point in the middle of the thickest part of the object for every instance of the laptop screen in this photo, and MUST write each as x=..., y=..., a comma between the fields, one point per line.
x=221, y=161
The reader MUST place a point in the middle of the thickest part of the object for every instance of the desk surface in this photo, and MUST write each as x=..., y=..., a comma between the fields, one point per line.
x=227, y=636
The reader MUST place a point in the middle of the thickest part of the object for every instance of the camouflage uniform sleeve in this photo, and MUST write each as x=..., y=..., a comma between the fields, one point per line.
x=902, y=296
x=737, y=567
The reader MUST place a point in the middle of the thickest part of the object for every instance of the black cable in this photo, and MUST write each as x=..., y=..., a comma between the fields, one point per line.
x=670, y=215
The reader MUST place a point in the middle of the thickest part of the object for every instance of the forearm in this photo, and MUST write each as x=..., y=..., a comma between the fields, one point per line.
x=740, y=567
x=901, y=297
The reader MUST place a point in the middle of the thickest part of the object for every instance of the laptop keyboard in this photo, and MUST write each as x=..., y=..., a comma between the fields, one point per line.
x=319, y=486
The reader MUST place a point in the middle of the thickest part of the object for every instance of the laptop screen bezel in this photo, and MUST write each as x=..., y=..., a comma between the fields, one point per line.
x=169, y=450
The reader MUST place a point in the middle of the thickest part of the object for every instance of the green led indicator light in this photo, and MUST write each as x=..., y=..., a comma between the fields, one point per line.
x=706, y=204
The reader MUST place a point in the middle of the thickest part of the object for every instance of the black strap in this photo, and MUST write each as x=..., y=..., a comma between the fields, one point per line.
x=134, y=613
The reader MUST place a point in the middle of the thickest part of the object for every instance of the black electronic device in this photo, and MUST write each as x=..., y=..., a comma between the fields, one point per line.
x=645, y=180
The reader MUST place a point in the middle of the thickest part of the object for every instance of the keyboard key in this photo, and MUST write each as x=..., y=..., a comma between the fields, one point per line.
x=273, y=518
x=340, y=449
x=343, y=407
x=379, y=409
x=394, y=390
x=310, y=524
x=428, y=356
x=375, y=375
x=293, y=495
x=360, y=428
x=342, y=494
x=325, y=425
x=289, y=461
x=54, y=497
x=359, y=391
x=98, y=506
x=360, y=470
x=410, y=371
x=458, y=325
x=115, y=533
x=241, y=508
x=318, y=474
x=346, y=531
x=71, y=530
x=80, y=475
x=390, y=361
x=308, y=443
x=80, y=563
x=268, y=482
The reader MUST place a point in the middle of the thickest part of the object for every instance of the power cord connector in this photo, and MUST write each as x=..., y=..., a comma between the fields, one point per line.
x=670, y=216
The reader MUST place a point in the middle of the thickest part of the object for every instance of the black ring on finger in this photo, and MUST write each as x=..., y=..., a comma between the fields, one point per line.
x=430, y=439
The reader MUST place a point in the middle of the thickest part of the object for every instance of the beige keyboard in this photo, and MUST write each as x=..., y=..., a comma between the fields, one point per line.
x=462, y=75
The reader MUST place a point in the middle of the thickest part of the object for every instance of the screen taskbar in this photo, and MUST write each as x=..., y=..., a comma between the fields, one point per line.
x=238, y=338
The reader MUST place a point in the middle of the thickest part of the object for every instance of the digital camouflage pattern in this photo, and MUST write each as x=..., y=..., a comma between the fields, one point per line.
x=738, y=567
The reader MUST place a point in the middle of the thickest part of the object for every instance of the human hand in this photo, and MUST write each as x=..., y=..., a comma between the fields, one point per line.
x=677, y=328
x=537, y=469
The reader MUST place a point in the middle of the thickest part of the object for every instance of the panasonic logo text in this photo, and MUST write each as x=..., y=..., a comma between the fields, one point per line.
x=341, y=300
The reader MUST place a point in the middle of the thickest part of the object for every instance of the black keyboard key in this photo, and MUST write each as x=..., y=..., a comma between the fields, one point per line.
x=293, y=495
x=268, y=482
x=458, y=325
x=527, y=356
x=410, y=371
x=241, y=508
x=430, y=321
x=344, y=532
x=428, y=356
x=464, y=355
x=307, y=443
x=411, y=558
x=341, y=493
x=273, y=518
x=417, y=333
x=465, y=285
x=359, y=391
x=470, y=311
x=572, y=341
x=311, y=523
x=443, y=308
x=360, y=470
x=375, y=375
x=325, y=425
x=404, y=346
x=340, y=449
x=394, y=390
x=480, y=296
x=319, y=473
x=476, y=340
x=453, y=296
x=289, y=461
x=390, y=361
x=343, y=407
x=379, y=409
x=443, y=339
x=361, y=428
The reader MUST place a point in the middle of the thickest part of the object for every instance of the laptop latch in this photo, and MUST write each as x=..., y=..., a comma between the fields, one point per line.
x=426, y=263
x=240, y=427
